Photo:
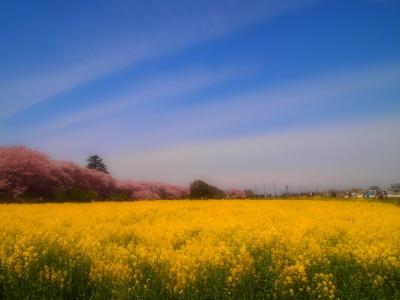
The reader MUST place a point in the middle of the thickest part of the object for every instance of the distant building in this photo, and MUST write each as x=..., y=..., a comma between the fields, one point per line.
x=375, y=192
x=394, y=191
x=370, y=194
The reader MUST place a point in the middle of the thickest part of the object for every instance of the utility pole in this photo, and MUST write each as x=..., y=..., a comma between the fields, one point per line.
x=264, y=190
x=274, y=188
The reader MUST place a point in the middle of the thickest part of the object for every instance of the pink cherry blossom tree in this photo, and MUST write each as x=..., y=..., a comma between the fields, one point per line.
x=235, y=194
x=33, y=175
x=151, y=190
x=29, y=174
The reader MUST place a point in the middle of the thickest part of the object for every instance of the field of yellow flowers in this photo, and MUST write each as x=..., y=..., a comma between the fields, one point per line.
x=243, y=249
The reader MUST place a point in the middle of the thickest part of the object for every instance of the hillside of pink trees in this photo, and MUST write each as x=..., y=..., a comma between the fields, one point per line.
x=151, y=190
x=28, y=175
x=235, y=194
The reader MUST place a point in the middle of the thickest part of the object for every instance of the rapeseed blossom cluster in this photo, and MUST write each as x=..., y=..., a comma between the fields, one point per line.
x=201, y=249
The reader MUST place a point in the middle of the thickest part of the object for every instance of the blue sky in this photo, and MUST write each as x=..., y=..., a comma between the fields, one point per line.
x=241, y=93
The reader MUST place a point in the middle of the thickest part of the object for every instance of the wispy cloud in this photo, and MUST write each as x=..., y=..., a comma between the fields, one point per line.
x=141, y=94
x=145, y=128
x=161, y=28
x=261, y=104
x=282, y=101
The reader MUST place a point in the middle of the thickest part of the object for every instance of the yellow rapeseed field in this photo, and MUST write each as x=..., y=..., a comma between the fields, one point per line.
x=240, y=249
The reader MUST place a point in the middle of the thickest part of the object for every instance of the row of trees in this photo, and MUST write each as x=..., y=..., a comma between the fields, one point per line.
x=198, y=189
x=29, y=175
x=202, y=190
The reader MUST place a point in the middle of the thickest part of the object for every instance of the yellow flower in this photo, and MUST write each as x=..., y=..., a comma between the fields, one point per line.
x=187, y=242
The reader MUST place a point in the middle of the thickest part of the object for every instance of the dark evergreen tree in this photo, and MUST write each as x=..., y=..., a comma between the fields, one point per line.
x=96, y=163
x=201, y=190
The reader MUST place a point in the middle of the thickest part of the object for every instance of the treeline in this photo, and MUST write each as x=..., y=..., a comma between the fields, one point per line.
x=202, y=190
x=30, y=176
